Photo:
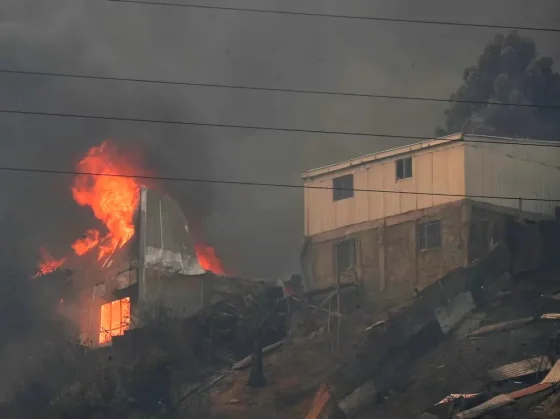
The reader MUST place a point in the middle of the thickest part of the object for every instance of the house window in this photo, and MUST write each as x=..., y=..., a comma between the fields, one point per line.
x=429, y=235
x=343, y=187
x=115, y=319
x=345, y=255
x=404, y=168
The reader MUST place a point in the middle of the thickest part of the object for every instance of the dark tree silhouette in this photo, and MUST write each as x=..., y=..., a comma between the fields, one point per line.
x=509, y=71
x=255, y=317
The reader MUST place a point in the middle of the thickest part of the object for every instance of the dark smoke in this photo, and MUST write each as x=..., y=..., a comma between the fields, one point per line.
x=257, y=231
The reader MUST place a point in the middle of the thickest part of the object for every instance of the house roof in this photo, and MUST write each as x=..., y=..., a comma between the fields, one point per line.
x=393, y=152
x=368, y=158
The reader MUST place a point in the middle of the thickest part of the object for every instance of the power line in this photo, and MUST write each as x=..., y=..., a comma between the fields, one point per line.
x=262, y=184
x=328, y=15
x=269, y=89
x=265, y=128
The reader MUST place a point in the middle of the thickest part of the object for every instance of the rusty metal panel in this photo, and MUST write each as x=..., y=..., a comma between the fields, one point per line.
x=554, y=375
x=492, y=404
x=452, y=397
x=520, y=368
x=536, y=388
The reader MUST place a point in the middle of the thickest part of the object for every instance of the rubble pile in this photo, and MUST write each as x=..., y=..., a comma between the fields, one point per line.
x=482, y=340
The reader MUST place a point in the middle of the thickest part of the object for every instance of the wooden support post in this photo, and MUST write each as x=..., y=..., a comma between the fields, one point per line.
x=338, y=310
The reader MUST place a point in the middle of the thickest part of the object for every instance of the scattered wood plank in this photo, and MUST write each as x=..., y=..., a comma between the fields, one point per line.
x=373, y=326
x=245, y=362
x=501, y=327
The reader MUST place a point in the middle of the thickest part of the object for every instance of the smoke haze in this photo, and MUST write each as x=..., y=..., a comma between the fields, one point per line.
x=256, y=230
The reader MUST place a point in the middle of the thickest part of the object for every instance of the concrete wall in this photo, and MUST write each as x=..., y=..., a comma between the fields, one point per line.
x=439, y=169
x=388, y=263
x=513, y=171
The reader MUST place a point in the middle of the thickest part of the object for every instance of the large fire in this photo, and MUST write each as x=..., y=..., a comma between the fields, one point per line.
x=105, y=184
x=112, y=198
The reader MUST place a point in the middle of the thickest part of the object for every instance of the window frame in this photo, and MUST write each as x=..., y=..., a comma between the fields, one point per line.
x=124, y=307
x=350, y=246
x=343, y=191
x=426, y=239
x=406, y=163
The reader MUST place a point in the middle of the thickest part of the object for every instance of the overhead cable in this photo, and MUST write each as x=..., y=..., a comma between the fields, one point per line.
x=263, y=184
x=271, y=89
x=337, y=16
x=497, y=141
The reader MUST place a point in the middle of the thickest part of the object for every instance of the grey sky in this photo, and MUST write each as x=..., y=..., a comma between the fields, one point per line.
x=256, y=230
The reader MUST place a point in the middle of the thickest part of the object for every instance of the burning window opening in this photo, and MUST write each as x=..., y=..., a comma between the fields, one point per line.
x=114, y=319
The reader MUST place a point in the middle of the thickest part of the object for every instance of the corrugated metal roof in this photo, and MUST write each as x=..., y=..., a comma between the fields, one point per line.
x=481, y=409
x=554, y=375
x=520, y=368
x=527, y=391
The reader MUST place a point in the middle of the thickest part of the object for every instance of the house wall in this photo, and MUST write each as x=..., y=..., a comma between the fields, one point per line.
x=439, y=169
x=179, y=296
x=389, y=265
x=508, y=170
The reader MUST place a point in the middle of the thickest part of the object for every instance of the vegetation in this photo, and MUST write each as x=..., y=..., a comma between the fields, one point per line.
x=509, y=71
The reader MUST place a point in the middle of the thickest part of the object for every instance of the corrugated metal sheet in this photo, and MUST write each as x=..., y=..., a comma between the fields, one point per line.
x=536, y=388
x=551, y=316
x=510, y=170
x=492, y=404
x=520, y=368
x=165, y=242
x=448, y=317
x=554, y=375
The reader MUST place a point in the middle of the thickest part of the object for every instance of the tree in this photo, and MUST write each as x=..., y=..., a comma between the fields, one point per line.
x=509, y=71
x=256, y=315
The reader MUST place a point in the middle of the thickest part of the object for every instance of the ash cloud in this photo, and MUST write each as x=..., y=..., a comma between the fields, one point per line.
x=257, y=231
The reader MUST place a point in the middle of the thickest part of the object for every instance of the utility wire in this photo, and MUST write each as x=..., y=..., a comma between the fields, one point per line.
x=270, y=89
x=328, y=15
x=551, y=144
x=262, y=184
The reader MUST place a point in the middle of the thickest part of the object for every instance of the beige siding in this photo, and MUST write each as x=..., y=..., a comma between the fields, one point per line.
x=434, y=170
x=514, y=171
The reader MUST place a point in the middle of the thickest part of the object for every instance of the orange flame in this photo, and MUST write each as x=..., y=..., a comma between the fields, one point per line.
x=106, y=185
x=86, y=243
x=48, y=263
x=208, y=260
x=112, y=198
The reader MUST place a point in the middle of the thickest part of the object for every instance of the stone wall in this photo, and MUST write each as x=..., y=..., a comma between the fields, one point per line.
x=389, y=265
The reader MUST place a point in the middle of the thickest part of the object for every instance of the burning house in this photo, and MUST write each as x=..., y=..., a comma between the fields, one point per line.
x=146, y=265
